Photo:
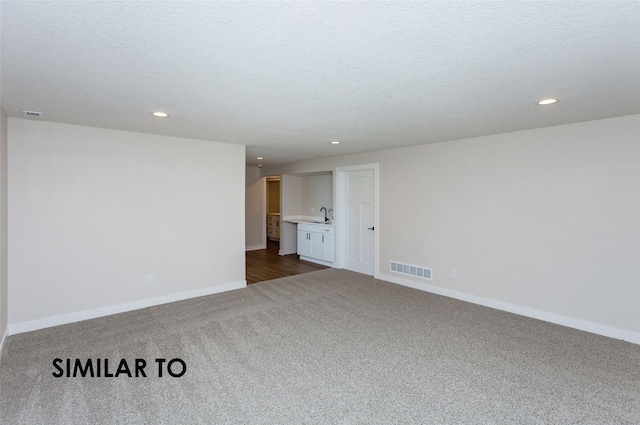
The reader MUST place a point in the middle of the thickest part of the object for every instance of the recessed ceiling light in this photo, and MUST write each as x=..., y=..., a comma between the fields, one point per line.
x=259, y=158
x=548, y=101
x=335, y=142
x=160, y=114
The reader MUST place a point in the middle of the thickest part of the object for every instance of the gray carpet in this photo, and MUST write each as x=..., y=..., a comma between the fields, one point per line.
x=328, y=347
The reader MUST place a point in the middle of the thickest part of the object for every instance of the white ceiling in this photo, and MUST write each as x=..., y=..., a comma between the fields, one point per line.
x=286, y=78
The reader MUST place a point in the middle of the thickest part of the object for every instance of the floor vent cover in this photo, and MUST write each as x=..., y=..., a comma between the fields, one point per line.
x=411, y=270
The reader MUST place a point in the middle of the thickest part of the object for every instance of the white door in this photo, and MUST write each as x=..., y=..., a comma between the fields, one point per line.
x=359, y=225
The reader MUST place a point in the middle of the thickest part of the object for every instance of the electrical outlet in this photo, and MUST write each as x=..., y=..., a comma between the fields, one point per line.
x=452, y=273
x=150, y=279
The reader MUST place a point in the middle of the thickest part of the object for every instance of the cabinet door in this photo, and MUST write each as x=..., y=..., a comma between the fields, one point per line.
x=304, y=243
x=301, y=242
x=328, y=248
x=316, y=246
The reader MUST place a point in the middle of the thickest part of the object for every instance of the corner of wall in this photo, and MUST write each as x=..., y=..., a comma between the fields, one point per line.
x=3, y=341
x=3, y=232
x=255, y=210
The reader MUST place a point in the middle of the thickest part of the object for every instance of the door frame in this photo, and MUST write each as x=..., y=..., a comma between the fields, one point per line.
x=340, y=201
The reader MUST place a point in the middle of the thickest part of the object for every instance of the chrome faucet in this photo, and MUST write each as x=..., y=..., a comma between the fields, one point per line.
x=325, y=214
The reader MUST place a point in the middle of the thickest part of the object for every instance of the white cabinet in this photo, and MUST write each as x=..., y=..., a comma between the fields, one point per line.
x=273, y=226
x=304, y=242
x=327, y=247
x=310, y=241
x=315, y=242
x=316, y=245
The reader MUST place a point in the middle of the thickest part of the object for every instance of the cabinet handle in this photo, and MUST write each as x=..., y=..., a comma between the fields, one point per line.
x=322, y=238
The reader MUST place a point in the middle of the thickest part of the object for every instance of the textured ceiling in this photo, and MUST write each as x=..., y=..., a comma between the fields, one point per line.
x=287, y=78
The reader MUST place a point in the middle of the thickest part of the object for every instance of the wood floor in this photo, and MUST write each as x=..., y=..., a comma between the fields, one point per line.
x=266, y=264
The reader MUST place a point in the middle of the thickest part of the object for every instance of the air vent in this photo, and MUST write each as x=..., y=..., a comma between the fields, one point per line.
x=411, y=270
x=32, y=114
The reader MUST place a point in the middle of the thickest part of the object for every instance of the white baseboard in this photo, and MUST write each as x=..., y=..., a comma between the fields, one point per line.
x=5, y=335
x=64, y=319
x=616, y=333
x=317, y=261
x=256, y=247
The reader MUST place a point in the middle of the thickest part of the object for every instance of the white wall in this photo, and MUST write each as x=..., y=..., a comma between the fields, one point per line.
x=290, y=194
x=542, y=222
x=317, y=192
x=255, y=218
x=3, y=230
x=93, y=211
x=304, y=195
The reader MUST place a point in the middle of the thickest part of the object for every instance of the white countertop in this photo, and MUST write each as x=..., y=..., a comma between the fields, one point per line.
x=303, y=221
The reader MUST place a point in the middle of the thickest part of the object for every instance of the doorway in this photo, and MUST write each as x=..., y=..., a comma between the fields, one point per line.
x=273, y=210
x=266, y=262
x=357, y=193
